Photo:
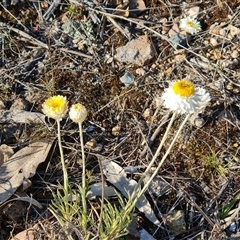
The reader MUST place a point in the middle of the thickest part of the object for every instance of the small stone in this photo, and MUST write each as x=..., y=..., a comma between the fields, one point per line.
x=234, y=30
x=199, y=122
x=140, y=71
x=194, y=11
x=178, y=40
x=94, y=146
x=91, y=144
x=213, y=42
x=147, y=114
x=235, y=145
x=236, y=90
x=222, y=32
x=180, y=55
x=137, y=5
x=116, y=130
x=214, y=29
x=196, y=121
x=127, y=79
x=229, y=86
x=235, y=54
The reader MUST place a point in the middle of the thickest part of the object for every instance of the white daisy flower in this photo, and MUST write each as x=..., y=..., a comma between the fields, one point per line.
x=190, y=25
x=55, y=107
x=183, y=97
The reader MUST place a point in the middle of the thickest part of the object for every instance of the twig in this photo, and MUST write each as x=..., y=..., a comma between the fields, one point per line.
x=25, y=35
x=190, y=199
x=76, y=53
x=164, y=120
x=51, y=9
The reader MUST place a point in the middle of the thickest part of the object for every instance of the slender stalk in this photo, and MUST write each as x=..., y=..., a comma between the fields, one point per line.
x=65, y=175
x=102, y=200
x=161, y=143
x=84, y=190
x=155, y=155
x=146, y=185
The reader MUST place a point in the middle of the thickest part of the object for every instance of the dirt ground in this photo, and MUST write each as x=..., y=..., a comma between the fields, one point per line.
x=75, y=49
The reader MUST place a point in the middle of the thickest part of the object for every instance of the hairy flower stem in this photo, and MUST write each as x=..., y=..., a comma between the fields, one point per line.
x=146, y=185
x=65, y=175
x=84, y=190
x=155, y=155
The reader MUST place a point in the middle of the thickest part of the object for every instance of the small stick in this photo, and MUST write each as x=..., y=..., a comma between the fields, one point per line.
x=164, y=120
x=51, y=9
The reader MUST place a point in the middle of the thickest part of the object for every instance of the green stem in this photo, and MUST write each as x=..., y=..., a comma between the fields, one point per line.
x=65, y=175
x=84, y=190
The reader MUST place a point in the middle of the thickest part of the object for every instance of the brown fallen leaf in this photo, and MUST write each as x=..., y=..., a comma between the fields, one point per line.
x=22, y=165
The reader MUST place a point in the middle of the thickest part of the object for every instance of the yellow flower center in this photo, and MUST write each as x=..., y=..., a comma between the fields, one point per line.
x=183, y=88
x=190, y=23
x=56, y=103
x=77, y=107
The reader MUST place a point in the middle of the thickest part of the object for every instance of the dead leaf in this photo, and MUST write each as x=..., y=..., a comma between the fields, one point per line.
x=22, y=165
x=116, y=175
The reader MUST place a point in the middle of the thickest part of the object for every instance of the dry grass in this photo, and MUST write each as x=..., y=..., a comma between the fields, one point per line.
x=38, y=60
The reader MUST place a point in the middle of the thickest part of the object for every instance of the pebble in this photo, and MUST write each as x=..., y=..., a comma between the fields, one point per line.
x=127, y=79
x=140, y=71
x=222, y=32
x=213, y=42
x=94, y=146
x=196, y=121
x=234, y=30
x=180, y=55
x=235, y=54
x=177, y=40
x=116, y=130
x=194, y=11
x=147, y=113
